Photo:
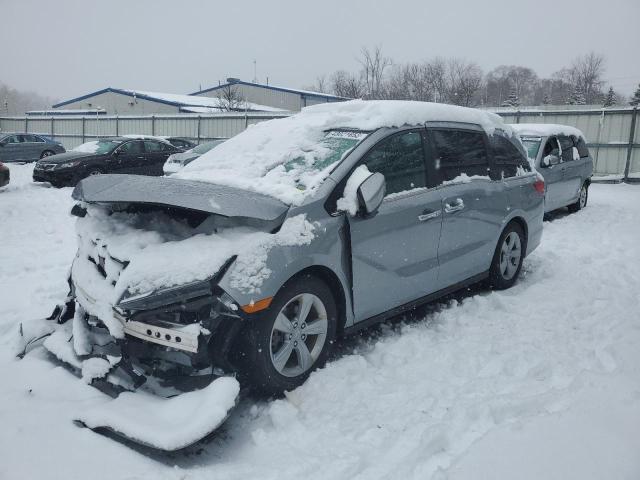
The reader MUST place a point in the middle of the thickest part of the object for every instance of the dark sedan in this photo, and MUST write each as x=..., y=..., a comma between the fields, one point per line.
x=107, y=155
x=4, y=175
x=27, y=147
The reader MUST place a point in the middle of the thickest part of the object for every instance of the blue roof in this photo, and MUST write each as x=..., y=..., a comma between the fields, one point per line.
x=121, y=92
x=303, y=93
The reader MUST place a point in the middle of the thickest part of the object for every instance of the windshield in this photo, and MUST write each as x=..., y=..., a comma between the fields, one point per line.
x=205, y=147
x=98, y=147
x=532, y=145
x=331, y=149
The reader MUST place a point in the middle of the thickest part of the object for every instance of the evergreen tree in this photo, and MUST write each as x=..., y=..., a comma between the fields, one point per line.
x=635, y=100
x=576, y=97
x=546, y=100
x=610, y=100
x=512, y=100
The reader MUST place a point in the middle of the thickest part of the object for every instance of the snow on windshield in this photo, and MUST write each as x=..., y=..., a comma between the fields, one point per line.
x=95, y=147
x=289, y=158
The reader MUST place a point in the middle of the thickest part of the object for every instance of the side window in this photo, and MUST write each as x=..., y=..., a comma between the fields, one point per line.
x=583, y=151
x=22, y=138
x=460, y=151
x=32, y=139
x=551, y=147
x=400, y=159
x=155, y=147
x=37, y=139
x=132, y=148
x=566, y=144
x=507, y=157
x=13, y=139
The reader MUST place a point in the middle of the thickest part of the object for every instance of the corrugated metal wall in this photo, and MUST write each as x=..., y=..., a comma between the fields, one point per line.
x=614, y=146
x=72, y=131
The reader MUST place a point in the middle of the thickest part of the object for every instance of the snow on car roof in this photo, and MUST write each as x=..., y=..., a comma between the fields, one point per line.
x=257, y=158
x=545, y=129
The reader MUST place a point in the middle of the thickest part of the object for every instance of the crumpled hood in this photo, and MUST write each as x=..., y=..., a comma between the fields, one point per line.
x=188, y=194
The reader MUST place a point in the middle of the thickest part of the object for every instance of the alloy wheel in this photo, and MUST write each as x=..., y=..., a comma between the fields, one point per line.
x=510, y=254
x=298, y=335
x=583, y=197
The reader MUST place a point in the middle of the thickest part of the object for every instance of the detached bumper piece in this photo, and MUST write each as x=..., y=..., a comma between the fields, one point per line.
x=168, y=390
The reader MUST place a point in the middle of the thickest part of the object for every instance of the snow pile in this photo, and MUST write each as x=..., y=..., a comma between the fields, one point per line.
x=545, y=130
x=167, y=424
x=259, y=158
x=89, y=147
x=349, y=201
x=464, y=178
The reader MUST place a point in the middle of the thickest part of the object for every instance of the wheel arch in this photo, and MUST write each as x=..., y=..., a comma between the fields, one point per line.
x=330, y=278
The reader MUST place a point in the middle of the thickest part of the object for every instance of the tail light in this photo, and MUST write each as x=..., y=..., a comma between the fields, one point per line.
x=539, y=186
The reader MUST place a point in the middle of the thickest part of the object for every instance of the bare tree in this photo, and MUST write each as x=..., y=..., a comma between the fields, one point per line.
x=345, y=84
x=585, y=75
x=320, y=86
x=506, y=80
x=230, y=99
x=16, y=102
x=464, y=80
x=373, y=67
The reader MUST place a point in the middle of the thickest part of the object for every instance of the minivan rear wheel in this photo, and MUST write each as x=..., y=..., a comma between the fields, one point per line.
x=47, y=153
x=582, y=199
x=508, y=257
x=291, y=338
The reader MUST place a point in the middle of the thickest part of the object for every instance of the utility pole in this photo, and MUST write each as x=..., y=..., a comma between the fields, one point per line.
x=255, y=72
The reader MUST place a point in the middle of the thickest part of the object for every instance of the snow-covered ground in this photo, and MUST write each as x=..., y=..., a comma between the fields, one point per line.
x=540, y=381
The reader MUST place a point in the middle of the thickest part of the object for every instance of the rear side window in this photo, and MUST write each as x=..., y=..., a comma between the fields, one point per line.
x=508, y=159
x=400, y=159
x=458, y=152
x=566, y=144
x=583, y=151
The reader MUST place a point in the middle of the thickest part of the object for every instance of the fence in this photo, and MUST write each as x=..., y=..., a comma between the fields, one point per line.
x=72, y=131
x=613, y=134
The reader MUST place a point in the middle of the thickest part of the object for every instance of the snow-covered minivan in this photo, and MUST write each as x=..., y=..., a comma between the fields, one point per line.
x=560, y=154
x=253, y=258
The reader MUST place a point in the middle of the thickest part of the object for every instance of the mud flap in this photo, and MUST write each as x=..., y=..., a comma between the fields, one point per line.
x=166, y=424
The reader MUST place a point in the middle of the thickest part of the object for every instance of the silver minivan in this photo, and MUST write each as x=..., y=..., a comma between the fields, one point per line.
x=560, y=154
x=257, y=255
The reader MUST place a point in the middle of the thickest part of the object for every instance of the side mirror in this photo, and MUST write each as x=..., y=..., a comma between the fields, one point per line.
x=371, y=193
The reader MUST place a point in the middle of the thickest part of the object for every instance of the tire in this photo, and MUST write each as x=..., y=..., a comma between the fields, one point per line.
x=47, y=153
x=508, y=257
x=277, y=355
x=582, y=199
x=94, y=171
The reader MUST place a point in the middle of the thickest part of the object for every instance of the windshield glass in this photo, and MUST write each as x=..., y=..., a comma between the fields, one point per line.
x=332, y=148
x=205, y=147
x=98, y=147
x=532, y=145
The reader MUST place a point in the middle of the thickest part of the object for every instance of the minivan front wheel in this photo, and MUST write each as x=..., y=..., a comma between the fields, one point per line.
x=293, y=336
x=508, y=257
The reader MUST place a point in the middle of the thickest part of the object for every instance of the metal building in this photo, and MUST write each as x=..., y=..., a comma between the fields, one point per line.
x=278, y=97
x=117, y=101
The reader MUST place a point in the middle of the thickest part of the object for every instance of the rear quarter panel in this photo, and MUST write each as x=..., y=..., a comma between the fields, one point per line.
x=526, y=203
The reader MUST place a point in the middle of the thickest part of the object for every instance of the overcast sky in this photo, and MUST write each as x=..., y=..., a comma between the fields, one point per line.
x=67, y=48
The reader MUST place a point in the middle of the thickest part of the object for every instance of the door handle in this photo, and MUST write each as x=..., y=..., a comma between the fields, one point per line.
x=454, y=206
x=428, y=215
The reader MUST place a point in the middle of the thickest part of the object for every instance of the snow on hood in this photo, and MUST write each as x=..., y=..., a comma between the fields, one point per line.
x=255, y=159
x=545, y=130
x=162, y=253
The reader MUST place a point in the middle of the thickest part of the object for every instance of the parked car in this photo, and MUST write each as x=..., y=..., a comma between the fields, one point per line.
x=27, y=147
x=107, y=155
x=560, y=154
x=255, y=257
x=5, y=175
x=178, y=160
x=183, y=144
